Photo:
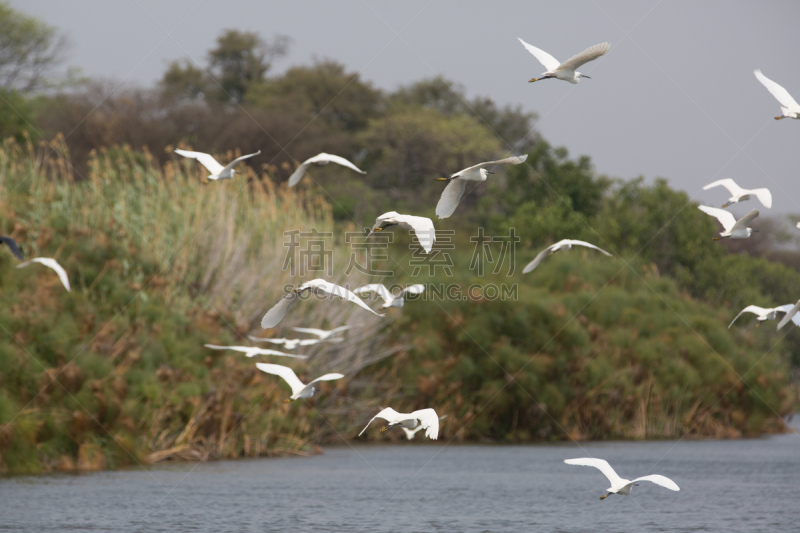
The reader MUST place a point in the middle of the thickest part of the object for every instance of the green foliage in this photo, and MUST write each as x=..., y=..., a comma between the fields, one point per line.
x=239, y=61
x=29, y=50
x=326, y=91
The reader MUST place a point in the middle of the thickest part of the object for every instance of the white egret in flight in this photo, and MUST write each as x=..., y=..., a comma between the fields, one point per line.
x=252, y=351
x=763, y=314
x=52, y=263
x=791, y=314
x=422, y=226
x=389, y=299
x=320, y=159
x=218, y=172
x=290, y=344
x=735, y=229
x=426, y=418
x=299, y=389
x=619, y=485
x=789, y=107
x=566, y=70
x=565, y=244
x=12, y=245
x=322, y=333
x=411, y=433
x=740, y=195
x=458, y=183
x=317, y=286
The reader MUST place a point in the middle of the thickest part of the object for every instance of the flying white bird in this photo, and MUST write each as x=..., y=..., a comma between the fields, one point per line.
x=740, y=195
x=252, y=351
x=317, y=286
x=321, y=333
x=791, y=314
x=218, y=172
x=299, y=390
x=735, y=229
x=389, y=299
x=619, y=485
x=766, y=314
x=426, y=418
x=411, y=433
x=52, y=263
x=458, y=183
x=422, y=226
x=291, y=344
x=320, y=159
x=789, y=107
x=566, y=70
x=565, y=244
x=12, y=245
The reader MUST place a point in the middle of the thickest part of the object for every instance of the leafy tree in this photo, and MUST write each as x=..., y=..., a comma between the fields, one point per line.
x=511, y=124
x=29, y=51
x=240, y=60
x=325, y=90
x=184, y=80
x=16, y=116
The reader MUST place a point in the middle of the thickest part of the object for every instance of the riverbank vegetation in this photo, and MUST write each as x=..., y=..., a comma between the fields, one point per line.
x=585, y=347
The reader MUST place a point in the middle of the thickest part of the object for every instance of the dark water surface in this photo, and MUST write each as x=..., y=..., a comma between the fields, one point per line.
x=745, y=485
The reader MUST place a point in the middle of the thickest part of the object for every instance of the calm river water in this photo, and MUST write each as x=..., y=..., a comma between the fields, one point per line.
x=745, y=485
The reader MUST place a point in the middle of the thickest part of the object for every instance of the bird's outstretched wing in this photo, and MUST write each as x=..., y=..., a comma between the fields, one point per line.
x=207, y=160
x=337, y=290
x=417, y=288
x=328, y=377
x=285, y=372
x=377, y=288
x=788, y=307
x=588, y=245
x=237, y=160
x=388, y=414
x=764, y=196
x=590, y=54
x=451, y=195
x=51, y=263
x=790, y=314
x=252, y=351
x=728, y=183
x=725, y=218
x=515, y=160
x=745, y=220
x=780, y=94
x=422, y=226
x=12, y=245
x=538, y=259
x=429, y=420
x=334, y=331
x=601, y=465
x=312, y=331
x=262, y=339
x=279, y=310
x=665, y=482
x=756, y=310
x=549, y=62
x=320, y=158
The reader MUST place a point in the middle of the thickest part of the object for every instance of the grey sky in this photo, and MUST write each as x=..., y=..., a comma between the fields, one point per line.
x=675, y=97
